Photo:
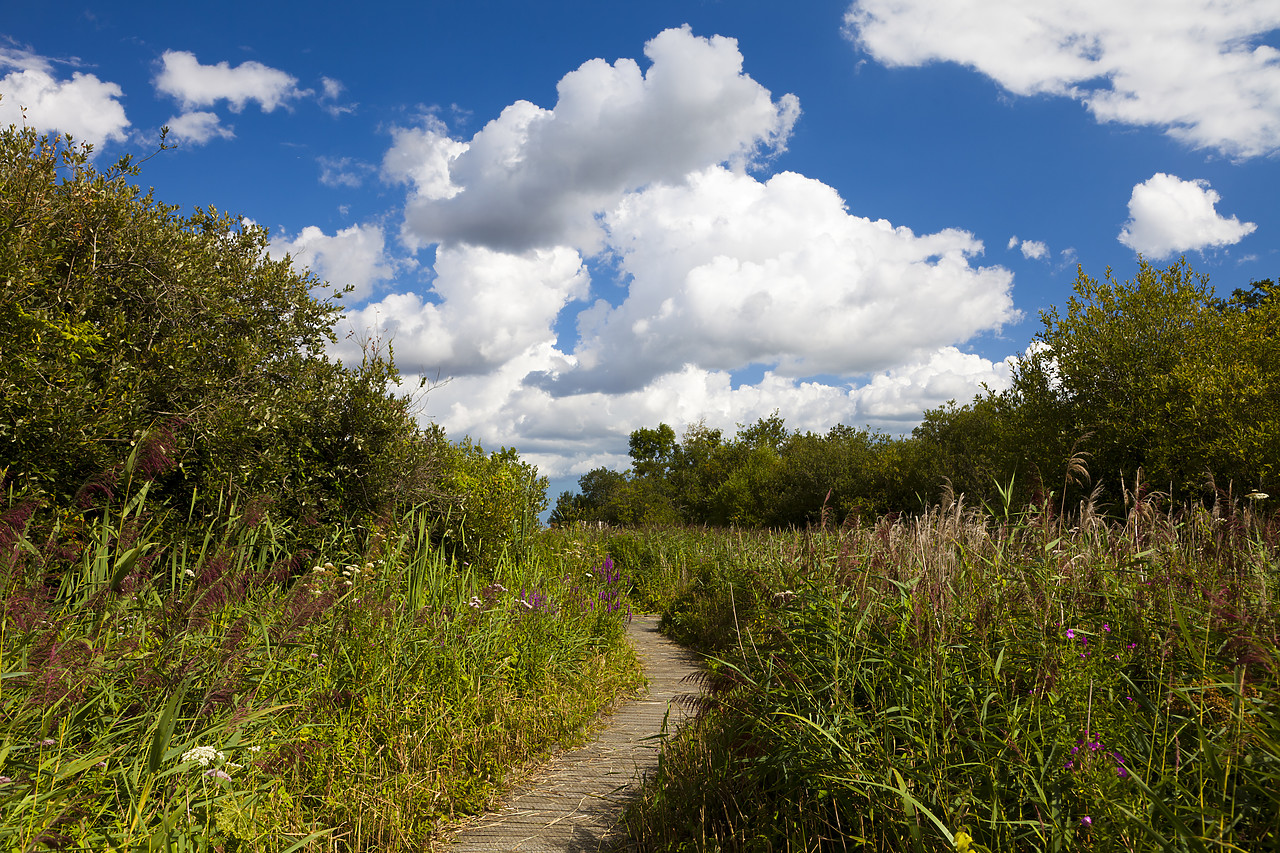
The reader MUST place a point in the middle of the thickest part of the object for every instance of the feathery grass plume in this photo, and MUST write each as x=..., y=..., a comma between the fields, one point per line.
x=1077, y=470
x=154, y=452
x=98, y=491
x=14, y=523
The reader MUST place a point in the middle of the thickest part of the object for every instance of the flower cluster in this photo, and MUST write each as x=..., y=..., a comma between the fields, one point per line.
x=206, y=755
x=1085, y=753
x=340, y=580
x=534, y=601
x=488, y=597
x=611, y=595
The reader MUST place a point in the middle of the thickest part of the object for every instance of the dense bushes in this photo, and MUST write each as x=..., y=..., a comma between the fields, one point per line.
x=126, y=325
x=119, y=318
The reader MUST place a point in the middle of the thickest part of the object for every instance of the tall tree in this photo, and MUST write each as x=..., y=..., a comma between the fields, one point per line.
x=1154, y=374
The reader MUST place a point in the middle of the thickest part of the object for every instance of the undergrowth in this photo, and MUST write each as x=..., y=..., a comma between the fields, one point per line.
x=228, y=693
x=978, y=680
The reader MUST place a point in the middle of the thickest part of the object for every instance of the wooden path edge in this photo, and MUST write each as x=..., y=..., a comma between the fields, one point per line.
x=575, y=801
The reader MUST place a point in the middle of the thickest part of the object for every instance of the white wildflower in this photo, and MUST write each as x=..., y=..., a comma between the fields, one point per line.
x=475, y=603
x=206, y=755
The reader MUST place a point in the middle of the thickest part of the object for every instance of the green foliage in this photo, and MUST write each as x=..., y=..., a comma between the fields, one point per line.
x=969, y=446
x=651, y=450
x=499, y=498
x=1160, y=377
x=118, y=317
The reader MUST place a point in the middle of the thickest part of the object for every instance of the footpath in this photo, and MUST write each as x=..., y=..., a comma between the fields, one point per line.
x=575, y=802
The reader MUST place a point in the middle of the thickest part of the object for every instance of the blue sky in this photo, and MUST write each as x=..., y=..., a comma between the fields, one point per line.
x=587, y=217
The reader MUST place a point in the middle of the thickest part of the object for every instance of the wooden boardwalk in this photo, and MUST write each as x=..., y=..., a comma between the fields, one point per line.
x=575, y=802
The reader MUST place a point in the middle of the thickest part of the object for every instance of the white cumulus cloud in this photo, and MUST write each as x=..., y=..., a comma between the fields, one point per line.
x=727, y=271
x=535, y=176
x=487, y=309
x=198, y=127
x=1032, y=250
x=354, y=256
x=195, y=85
x=572, y=434
x=634, y=211
x=1168, y=215
x=898, y=396
x=85, y=106
x=423, y=157
x=1198, y=68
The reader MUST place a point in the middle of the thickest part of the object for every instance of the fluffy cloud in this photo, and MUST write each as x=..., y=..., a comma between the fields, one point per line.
x=702, y=270
x=84, y=106
x=1198, y=68
x=1168, y=215
x=198, y=127
x=422, y=157
x=195, y=85
x=535, y=177
x=727, y=271
x=489, y=309
x=1032, y=250
x=354, y=256
x=898, y=396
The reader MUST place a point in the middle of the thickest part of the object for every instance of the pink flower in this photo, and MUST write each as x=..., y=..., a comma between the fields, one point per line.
x=1106, y=626
x=1071, y=635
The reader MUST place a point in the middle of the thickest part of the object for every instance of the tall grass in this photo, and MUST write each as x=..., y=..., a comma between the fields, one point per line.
x=227, y=693
x=983, y=680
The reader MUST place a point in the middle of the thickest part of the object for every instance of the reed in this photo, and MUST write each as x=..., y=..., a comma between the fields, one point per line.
x=982, y=679
x=224, y=692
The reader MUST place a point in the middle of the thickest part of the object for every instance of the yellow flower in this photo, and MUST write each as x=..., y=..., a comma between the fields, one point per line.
x=963, y=840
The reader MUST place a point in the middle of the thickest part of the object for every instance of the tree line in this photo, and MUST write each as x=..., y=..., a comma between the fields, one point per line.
x=1148, y=385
